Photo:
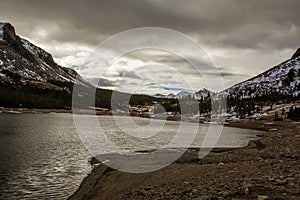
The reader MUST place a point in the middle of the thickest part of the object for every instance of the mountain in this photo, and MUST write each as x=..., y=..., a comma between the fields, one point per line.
x=201, y=94
x=22, y=61
x=30, y=78
x=162, y=96
x=283, y=79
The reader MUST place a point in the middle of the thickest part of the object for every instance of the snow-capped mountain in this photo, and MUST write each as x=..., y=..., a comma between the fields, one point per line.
x=21, y=61
x=282, y=79
x=162, y=96
x=202, y=94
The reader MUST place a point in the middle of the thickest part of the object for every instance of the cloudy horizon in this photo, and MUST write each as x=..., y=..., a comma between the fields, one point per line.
x=243, y=39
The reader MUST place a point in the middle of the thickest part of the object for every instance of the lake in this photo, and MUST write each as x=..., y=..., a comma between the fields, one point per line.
x=42, y=156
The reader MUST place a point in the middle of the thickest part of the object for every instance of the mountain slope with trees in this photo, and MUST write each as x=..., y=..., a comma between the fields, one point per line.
x=30, y=78
x=278, y=85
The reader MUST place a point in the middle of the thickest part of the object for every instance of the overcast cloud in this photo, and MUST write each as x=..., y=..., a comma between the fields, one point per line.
x=243, y=38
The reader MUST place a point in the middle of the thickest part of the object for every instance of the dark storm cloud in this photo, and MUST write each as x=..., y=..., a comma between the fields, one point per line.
x=260, y=24
x=243, y=38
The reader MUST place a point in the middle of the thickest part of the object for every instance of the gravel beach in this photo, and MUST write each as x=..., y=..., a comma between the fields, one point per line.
x=268, y=168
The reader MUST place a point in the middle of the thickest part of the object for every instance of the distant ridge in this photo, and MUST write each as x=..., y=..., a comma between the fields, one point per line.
x=201, y=94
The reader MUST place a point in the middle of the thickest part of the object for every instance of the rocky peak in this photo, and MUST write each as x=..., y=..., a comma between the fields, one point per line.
x=8, y=34
x=9, y=39
x=33, y=53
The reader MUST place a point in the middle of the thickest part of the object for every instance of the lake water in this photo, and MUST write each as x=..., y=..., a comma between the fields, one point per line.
x=42, y=156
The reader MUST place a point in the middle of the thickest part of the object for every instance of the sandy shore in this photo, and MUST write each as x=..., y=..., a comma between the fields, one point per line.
x=266, y=169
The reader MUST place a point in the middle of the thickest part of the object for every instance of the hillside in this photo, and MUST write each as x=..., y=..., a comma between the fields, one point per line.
x=283, y=79
x=22, y=61
x=274, y=93
x=30, y=78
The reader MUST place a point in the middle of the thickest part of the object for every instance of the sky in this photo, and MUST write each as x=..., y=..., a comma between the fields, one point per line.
x=240, y=39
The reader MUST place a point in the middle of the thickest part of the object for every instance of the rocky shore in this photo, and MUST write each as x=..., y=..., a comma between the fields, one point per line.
x=266, y=169
x=47, y=111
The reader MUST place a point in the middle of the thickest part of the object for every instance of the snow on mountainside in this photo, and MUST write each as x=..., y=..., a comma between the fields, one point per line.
x=22, y=61
x=202, y=94
x=168, y=96
x=283, y=79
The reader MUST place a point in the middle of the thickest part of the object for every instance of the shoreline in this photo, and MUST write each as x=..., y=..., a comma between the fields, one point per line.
x=184, y=118
x=269, y=165
x=267, y=168
x=47, y=111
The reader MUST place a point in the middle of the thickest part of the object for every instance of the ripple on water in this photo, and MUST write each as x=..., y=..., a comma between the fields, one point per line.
x=41, y=157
